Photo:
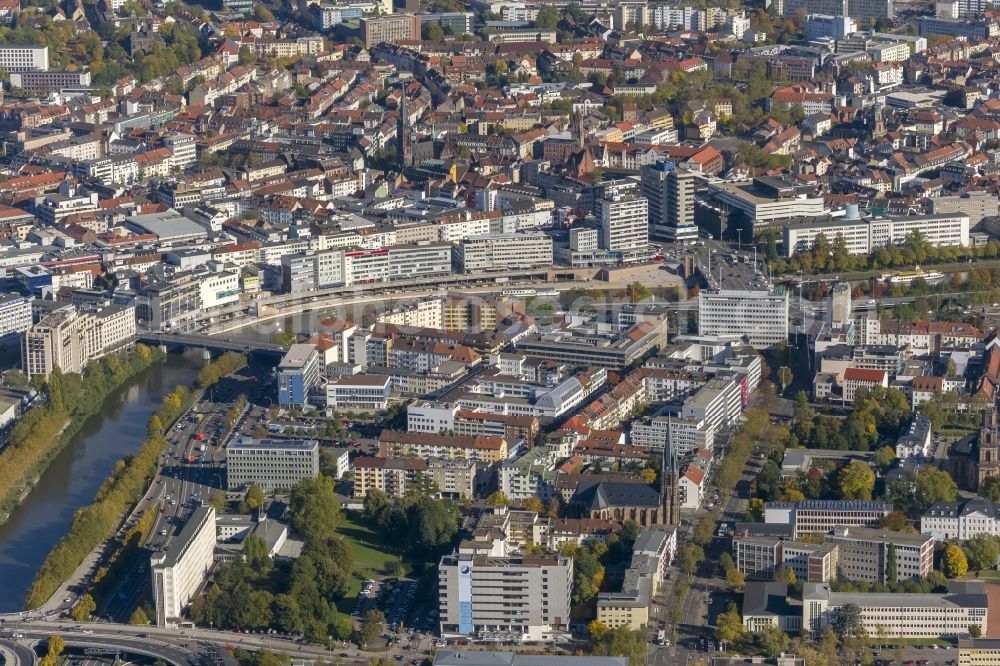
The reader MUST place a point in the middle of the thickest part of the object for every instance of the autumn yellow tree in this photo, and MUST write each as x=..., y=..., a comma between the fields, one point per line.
x=955, y=564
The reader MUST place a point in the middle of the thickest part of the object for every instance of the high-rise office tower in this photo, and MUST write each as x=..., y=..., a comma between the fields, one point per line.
x=670, y=192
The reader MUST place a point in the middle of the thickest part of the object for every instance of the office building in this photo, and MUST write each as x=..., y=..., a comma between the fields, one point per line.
x=179, y=572
x=624, y=224
x=670, y=193
x=615, y=353
x=863, y=236
x=44, y=82
x=272, y=464
x=900, y=615
x=455, y=23
x=978, y=651
x=298, y=373
x=976, y=205
x=865, y=554
x=976, y=31
x=864, y=11
x=759, y=315
x=389, y=28
x=822, y=516
x=369, y=393
x=505, y=598
x=488, y=253
x=15, y=318
x=309, y=271
x=761, y=558
x=24, y=58
x=820, y=26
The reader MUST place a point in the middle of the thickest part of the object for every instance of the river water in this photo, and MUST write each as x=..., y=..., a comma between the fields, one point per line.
x=74, y=476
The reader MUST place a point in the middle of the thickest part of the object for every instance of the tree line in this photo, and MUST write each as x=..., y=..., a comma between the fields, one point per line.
x=45, y=429
x=128, y=481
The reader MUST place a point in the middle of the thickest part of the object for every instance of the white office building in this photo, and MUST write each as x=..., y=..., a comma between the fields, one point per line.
x=961, y=520
x=369, y=393
x=15, y=318
x=903, y=615
x=505, y=598
x=430, y=416
x=487, y=253
x=761, y=316
x=24, y=58
x=863, y=236
x=717, y=405
x=272, y=464
x=179, y=572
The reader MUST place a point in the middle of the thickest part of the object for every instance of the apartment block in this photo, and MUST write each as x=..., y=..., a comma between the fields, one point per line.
x=398, y=444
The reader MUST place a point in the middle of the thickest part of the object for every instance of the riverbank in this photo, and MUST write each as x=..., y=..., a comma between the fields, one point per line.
x=43, y=431
x=93, y=525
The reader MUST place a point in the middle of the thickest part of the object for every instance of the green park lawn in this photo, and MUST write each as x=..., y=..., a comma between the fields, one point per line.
x=372, y=554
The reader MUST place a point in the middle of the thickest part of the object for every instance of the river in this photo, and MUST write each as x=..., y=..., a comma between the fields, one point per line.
x=74, y=476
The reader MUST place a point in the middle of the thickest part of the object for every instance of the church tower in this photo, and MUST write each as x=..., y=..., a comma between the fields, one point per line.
x=989, y=447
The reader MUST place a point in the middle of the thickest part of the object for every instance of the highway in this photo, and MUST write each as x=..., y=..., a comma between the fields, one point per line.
x=181, y=485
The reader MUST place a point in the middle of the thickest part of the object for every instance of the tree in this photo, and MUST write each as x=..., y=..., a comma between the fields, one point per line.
x=534, y=504
x=982, y=551
x=785, y=377
x=689, y=556
x=314, y=508
x=217, y=500
x=975, y=631
x=255, y=553
x=371, y=627
x=497, y=499
x=83, y=608
x=884, y=457
x=991, y=489
x=735, y=579
x=933, y=485
x=254, y=498
x=729, y=625
x=954, y=562
x=891, y=565
x=246, y=56
x=857, y=481
x=139, y=617
x=773, y=641
x=433, y=32
x=56, y=645
x=637, y=291
x=619, y=642
x=846, y=620
x=547, y=17
x=262, y=13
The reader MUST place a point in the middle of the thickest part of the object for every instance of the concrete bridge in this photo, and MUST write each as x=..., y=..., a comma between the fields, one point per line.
x=207, y=342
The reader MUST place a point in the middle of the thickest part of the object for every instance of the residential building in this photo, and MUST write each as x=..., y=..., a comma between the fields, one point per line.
x=178, y=573
x=15, y=318
x=862, y=378
x=393, y=476
x=398, y=444
x=652, y=554
x=504, y=598
x=69, y=339
x=272, y=464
